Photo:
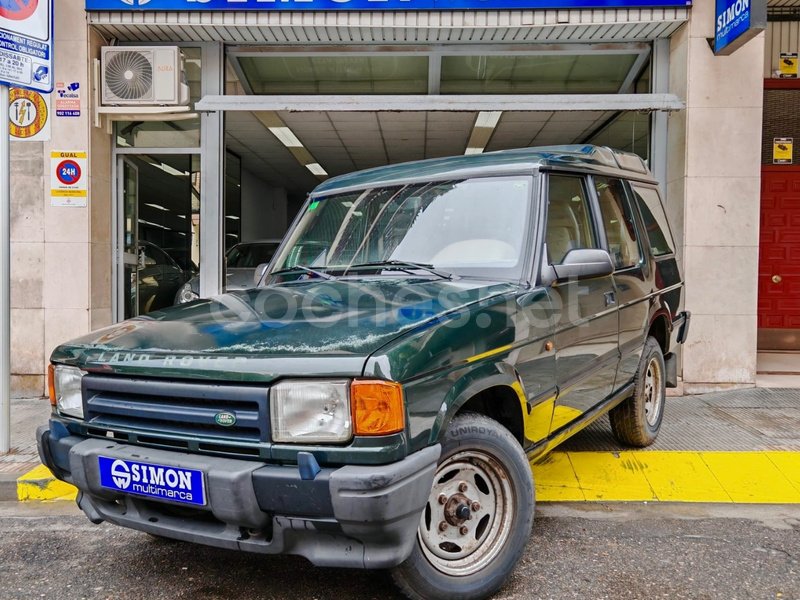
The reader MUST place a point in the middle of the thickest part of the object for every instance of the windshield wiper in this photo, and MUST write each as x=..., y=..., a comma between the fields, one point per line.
x=403, y=265
x=302, y=268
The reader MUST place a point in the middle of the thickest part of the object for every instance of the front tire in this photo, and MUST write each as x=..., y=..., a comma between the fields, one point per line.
x=478, y=518
x=637, y=420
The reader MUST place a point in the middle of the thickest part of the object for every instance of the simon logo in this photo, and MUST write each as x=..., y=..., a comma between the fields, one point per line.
x=121, y=474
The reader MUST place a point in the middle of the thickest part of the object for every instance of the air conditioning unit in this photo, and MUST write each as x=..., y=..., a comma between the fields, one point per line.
x=143, y=75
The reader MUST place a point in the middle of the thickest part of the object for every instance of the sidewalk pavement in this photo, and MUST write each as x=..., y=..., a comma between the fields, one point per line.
x=734, y=446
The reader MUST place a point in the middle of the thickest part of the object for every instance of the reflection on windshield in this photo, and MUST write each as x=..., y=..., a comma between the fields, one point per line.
x=249, y=256
x=469, y=227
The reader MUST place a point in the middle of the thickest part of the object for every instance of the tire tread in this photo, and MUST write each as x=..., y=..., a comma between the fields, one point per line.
x=403, y=577
x=627, y=418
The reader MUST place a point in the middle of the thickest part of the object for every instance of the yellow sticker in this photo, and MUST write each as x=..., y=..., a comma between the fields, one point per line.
x=782, y=151
x=788, y=65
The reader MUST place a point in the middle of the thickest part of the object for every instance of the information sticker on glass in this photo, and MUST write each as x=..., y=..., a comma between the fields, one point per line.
x=788, y=65
x=782, y=151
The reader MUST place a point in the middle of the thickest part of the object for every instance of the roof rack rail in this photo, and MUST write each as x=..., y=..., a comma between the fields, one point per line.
x=627, y=161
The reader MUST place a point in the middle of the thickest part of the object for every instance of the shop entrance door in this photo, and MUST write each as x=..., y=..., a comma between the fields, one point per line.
x=779, y=260
x=130, y=274
x=159, y=235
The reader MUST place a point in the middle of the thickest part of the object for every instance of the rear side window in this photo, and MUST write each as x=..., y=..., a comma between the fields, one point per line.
x=655, y=221
x=568, y=223
x=617, y=222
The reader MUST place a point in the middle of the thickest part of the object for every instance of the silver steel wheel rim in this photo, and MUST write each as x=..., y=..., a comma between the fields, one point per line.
x=461, y=547
x=653, y=398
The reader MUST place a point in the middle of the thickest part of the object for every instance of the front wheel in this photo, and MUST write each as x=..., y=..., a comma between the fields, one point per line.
x=478, y=517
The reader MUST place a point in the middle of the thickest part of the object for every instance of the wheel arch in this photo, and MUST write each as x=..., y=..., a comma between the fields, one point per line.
x=659, y=329
x=494, y=391
x=500, y=403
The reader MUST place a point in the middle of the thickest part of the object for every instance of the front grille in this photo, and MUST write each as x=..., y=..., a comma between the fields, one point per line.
x=174, y=408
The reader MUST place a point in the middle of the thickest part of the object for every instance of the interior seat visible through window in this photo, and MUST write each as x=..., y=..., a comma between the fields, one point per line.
x=618, y=222
x=568, y=225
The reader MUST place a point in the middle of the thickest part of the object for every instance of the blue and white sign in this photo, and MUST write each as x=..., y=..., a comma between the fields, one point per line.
x=155, y=481
x=340, y=5
x=26, y=44
x=738, y=21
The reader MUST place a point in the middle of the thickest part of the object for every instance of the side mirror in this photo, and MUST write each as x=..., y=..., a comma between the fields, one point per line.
x=584, y=263
x=259, y=273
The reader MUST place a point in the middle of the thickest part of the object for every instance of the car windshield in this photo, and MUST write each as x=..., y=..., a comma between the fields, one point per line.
x=466, y=227
x=249, y=256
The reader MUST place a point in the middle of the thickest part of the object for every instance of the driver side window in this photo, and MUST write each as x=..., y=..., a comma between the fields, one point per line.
x=569, y=224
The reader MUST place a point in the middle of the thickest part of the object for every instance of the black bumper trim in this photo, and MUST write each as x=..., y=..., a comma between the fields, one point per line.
x=353, y=516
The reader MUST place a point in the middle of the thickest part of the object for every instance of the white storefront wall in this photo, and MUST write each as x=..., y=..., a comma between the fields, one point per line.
x=62, y=258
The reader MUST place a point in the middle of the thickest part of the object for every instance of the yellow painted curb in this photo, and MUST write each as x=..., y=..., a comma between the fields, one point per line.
x=738, y=477
x=40, y=484
x=733, y=477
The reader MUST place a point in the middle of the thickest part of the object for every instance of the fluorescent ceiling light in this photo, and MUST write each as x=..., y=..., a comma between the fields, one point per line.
x=158, y=206
x=171, y=170
x=286, y=137
x=488, y=118
x=151, y=224
x=272, y=121
x=234, y=217
x=482, y=131
x=316, y=169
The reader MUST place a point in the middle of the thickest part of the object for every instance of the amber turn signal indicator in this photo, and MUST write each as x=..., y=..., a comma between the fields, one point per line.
x=377, y=407
x=51, y=383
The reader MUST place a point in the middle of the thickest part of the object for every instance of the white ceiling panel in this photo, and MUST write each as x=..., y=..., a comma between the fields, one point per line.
x=402, y=27
x=344, y=142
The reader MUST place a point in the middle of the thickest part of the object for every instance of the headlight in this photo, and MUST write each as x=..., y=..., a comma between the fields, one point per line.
x=311, y=411
x=186, y=294
x=320, y=411
x=65, y=391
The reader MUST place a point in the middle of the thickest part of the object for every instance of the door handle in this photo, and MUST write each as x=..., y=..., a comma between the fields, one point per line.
x=776, y=279
x=610, y=299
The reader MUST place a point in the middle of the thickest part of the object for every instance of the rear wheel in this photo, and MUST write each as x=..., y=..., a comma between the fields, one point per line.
x=637, y=421
x=478, y=517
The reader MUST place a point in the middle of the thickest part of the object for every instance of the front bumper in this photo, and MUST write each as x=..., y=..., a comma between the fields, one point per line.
x=353, y=516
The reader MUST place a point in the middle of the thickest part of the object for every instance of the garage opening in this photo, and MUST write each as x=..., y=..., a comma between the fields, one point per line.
x=294, y=116
x=279, y=156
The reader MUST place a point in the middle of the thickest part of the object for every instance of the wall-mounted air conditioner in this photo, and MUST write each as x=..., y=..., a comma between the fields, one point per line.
x=143, y=75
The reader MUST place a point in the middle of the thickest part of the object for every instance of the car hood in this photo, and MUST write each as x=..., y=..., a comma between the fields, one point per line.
x=301, y=328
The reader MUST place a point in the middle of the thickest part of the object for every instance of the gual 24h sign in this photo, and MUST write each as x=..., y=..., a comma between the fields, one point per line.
x=68, y=178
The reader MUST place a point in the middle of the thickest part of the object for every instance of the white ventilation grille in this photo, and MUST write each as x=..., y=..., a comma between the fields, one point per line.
x=142, y=75
x=129, y=75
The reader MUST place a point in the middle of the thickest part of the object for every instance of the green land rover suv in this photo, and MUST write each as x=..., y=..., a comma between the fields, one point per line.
x=424, y=331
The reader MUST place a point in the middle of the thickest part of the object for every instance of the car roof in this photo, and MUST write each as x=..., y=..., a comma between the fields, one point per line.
x=589, y=158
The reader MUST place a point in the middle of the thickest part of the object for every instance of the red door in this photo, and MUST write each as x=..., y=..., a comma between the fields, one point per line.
x=779, y=258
